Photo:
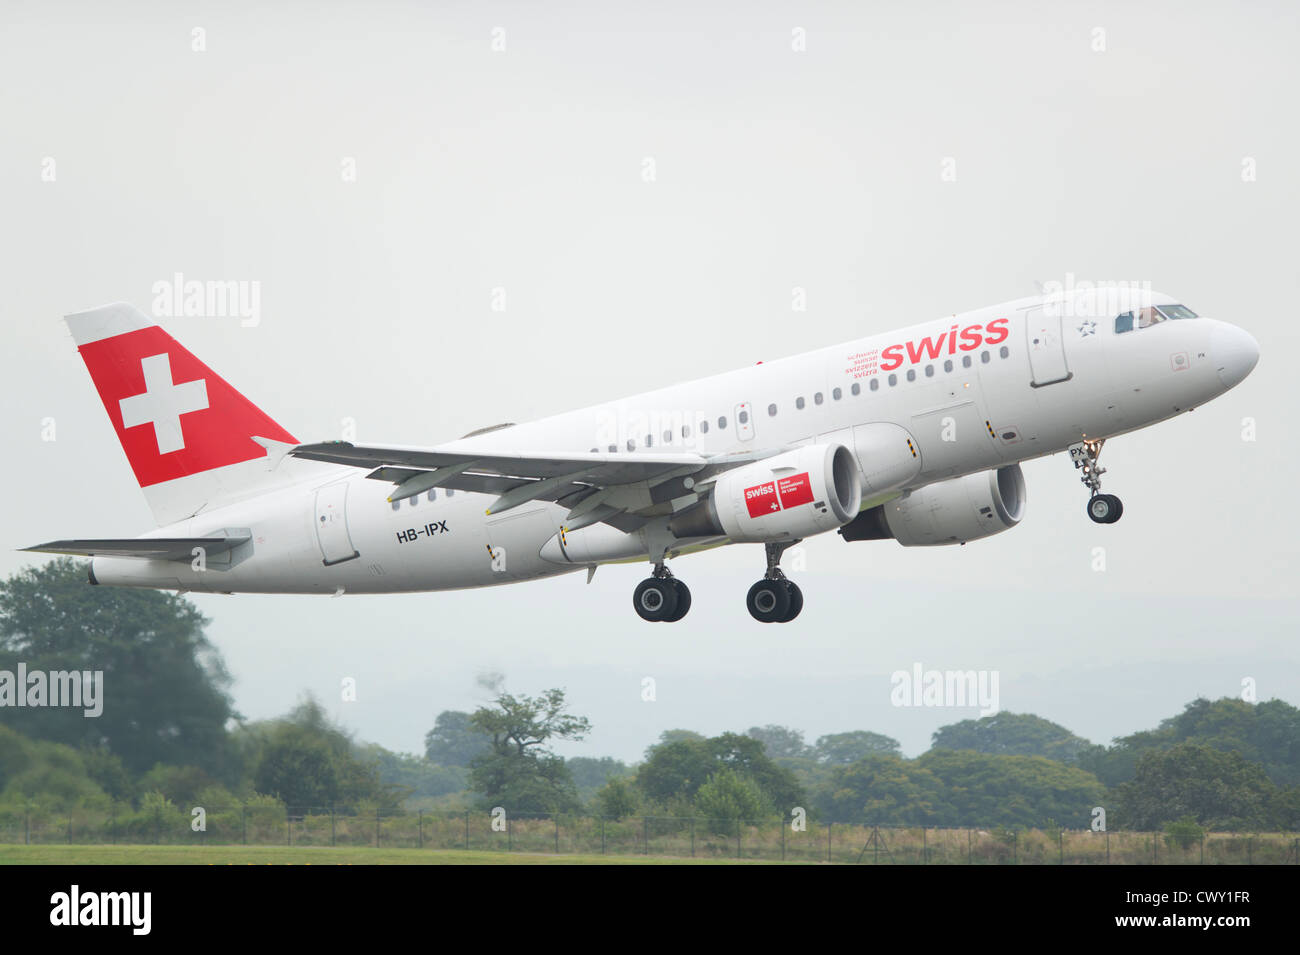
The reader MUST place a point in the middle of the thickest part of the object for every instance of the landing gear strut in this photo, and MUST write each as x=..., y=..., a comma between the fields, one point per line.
x=661, y=597
x=1102, y=508
x=775, y=598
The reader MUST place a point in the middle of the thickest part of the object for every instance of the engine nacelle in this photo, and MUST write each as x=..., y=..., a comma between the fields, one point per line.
x=950, y=512
x=791, y=495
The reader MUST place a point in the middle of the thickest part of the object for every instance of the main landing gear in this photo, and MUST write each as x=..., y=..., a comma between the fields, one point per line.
x=775, y=598
x=661, y=598
x=1102, y=508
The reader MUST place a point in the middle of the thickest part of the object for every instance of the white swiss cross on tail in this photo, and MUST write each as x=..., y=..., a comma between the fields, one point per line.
x=163, y=403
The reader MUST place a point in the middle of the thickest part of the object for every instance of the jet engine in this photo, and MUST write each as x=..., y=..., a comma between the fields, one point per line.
x=949, y=512
x=791, y=495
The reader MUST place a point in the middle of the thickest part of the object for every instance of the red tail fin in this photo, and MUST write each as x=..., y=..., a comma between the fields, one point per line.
x=175, y=417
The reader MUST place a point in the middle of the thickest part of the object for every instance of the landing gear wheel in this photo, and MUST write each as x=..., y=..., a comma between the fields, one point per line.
x=683, y=600
x=1105, y=508
x=655, y=599
x=796, y=601
x=769, y=600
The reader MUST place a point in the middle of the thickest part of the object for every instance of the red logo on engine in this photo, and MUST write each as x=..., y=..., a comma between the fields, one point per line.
x=795, y=490
x=761, y=499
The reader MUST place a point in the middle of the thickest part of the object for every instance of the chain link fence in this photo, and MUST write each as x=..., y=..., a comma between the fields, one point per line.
x=682, y=837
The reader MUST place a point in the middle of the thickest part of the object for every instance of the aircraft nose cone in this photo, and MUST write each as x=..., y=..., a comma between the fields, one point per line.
x=1234, y=352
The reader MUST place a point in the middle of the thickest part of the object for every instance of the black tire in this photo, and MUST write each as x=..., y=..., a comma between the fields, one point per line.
x=655, y=599
x=1119, y=509
x=683, y=601
x=768, y=601
x=796, y=601
x=1104, y=508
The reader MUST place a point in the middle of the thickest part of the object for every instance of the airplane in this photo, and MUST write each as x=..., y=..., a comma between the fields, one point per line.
x=915, y=435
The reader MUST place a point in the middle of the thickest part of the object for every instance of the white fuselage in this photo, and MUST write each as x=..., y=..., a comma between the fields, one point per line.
x=1050, y=381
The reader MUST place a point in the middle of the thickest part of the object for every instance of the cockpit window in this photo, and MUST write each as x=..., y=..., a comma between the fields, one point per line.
x=1151, y=315
x=1176, y=311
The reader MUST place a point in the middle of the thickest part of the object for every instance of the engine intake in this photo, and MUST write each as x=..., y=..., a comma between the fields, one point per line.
x=792, y=495
x=950, y=512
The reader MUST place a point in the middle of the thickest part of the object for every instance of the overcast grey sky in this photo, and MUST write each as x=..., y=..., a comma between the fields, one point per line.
x=793, y=145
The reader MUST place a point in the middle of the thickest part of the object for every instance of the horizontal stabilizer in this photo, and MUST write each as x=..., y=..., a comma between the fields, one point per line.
x=148, y=548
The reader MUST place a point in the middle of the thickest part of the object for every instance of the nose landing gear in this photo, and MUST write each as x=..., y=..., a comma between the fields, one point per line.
x=1102, y=508
x=775, y=598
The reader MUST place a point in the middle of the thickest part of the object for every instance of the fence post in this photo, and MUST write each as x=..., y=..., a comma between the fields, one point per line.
x=69, y=828
x=737, y=837
x=1155, y=848
x=1107, y=847
x=968, y=847
x=157, y=824
x=1060, y=845
x=288, y=827
x=1015, y=847
x=27, y=827
x=467, y=830
x=243, y=822
x=421, y=843
x=1202, y=848
x=925, y=848
x=692, y=837
x=376, y=828
x=332, y=827
x=112, y=823
x=829, y=827
x=645, y=836
x=782, y=823
x=602, y=835
x=557, y=835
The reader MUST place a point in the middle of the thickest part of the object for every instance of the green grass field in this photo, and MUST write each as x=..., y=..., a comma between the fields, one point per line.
x=310, y=855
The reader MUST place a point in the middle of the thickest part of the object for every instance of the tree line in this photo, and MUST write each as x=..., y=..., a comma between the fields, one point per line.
x=171, y=733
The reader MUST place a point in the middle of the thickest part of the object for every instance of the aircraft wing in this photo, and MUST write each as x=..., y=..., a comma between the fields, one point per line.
x=148, y=548
x=624, y=490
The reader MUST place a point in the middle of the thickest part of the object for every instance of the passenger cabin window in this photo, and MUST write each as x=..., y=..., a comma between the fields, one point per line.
x=722, y=422
x=771, y=411
x=875, y=384
x=857, y=388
